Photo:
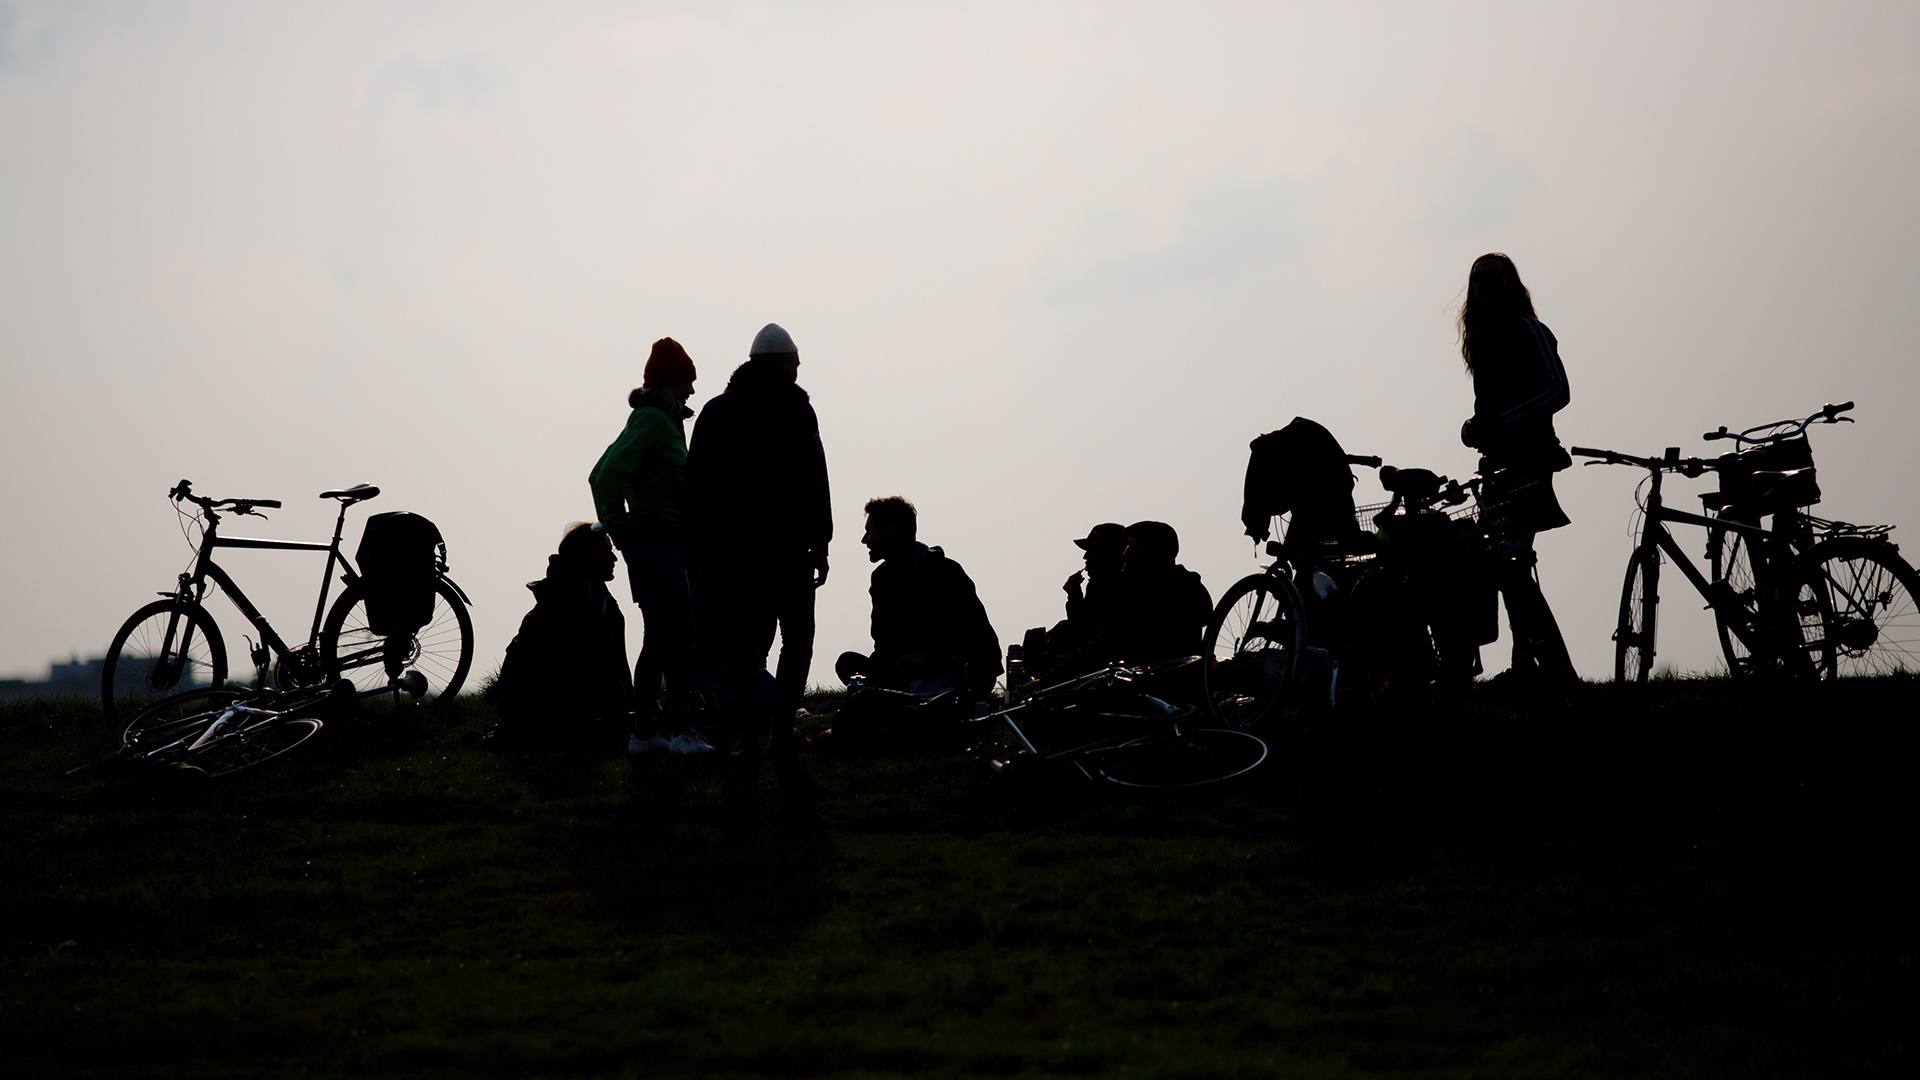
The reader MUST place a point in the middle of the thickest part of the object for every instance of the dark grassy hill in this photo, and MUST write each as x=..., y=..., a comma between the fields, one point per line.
x=1710, y=882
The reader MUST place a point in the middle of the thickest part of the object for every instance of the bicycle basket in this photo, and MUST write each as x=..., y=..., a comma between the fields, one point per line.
x=1772, y=476
x=400, y=555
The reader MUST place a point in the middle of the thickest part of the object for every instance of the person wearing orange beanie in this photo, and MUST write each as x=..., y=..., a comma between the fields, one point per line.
x=639, y=489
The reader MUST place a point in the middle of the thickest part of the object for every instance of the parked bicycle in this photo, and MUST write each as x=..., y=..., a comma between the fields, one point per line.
x=1106, y=726
x=174, y=644
x=1809, y=598
x=1386, y=612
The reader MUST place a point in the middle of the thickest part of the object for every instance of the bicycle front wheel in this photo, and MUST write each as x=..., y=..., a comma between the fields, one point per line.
x=167, y=646
x=252, y=743
x=1730, y=559
x=176, y=720
x=1857, y=610
x=1183, y=758
x=1633, y=635
x=442, y=650
x=1252, y=649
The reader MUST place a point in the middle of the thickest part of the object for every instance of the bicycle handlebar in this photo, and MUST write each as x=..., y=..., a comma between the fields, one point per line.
x=1671, y=461
x=183, y=492
x=1826, y=414
x=1371, y=461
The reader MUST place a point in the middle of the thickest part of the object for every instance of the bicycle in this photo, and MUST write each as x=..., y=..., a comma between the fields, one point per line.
x=1771, y=471
x=1798, y=603
x=175, y=643
x=1110, y=729
x=1386, y=603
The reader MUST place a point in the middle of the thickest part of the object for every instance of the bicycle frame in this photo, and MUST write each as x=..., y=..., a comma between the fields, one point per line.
x=193, y=585
x=1655, y=534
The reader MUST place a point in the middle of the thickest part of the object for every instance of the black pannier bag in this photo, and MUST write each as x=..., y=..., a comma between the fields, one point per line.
x=1771, y=476
x=400, y=556
x=1299, y=470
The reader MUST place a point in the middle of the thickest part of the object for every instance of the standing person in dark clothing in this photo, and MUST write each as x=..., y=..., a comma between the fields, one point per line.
x=564, y=682
x=639, y=493
x=1518, y=384
x=930, y=631
x=760, y=523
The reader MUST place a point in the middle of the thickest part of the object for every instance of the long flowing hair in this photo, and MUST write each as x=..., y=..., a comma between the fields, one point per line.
x=1494, y=293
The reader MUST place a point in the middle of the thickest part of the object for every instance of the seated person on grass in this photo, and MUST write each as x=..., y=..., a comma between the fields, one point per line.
x=930, y=631
x=1092, y=594
x=1161, y=612
x=565, y=683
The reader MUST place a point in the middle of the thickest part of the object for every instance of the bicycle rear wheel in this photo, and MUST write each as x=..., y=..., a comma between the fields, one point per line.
x=442, y=650
x=1181, y=758
x=167, y=646
x=1252, y=649
x=1633, y=635
x=1857, y=609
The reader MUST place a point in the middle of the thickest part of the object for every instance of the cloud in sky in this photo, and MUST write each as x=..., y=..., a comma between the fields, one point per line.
x=1463, y=181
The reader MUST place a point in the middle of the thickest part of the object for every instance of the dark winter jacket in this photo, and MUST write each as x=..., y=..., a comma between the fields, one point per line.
x=756, y=472
x=1087, y=615
x=1518, y=384
x=639, y=483
x=1162, y=613
x=568, y=663
x=924, y=603
x=1300, y=470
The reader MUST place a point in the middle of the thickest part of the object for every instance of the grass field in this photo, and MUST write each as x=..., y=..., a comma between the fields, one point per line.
x=1707, y=882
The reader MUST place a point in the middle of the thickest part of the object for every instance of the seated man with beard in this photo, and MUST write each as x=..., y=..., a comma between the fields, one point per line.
x=932, y=642
x=565, y=683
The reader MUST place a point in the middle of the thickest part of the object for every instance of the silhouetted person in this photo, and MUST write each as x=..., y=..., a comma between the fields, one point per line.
x=1162, y=608
x=930, y=631
x=930, y=635
x=1518, y=384
x=564, y=682
x=1092, y=596
x=760, y=520
x=639, y=490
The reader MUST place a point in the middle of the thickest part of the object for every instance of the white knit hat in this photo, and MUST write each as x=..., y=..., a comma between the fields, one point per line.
x=771, y=340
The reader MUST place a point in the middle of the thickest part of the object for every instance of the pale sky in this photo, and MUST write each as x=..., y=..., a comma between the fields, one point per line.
x=1046, y=264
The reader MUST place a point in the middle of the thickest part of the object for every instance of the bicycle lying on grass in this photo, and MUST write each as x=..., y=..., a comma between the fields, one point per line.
x=1105, y=726
x=1809, y=598
x=174, y=643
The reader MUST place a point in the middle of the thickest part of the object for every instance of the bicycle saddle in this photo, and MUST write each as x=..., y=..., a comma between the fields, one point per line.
x=1414, y=483
x=353, y=494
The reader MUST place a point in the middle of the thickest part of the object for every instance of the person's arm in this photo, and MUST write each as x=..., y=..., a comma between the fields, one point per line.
x=1538, y=363
x=613, y=476
x=816, y=493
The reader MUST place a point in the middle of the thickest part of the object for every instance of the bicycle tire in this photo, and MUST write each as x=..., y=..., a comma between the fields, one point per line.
x=1633, y=634
x=1252, y=649
x=253, y=744
x=178, y=717
x=1857, y=608
x=1186, y=758
x=442, y=650
x=145, y=637
x=1730, y=559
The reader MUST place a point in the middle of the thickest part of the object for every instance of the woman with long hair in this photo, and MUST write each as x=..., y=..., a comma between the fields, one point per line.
x=1518, y=384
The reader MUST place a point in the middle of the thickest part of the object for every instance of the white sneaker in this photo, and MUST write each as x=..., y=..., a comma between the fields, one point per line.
x=690, y=742
x=653, y=744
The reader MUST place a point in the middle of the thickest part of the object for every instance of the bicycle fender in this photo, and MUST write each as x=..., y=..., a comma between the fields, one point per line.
x=462, y=593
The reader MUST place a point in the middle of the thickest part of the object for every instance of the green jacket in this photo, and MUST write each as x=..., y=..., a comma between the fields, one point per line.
x=639, y=483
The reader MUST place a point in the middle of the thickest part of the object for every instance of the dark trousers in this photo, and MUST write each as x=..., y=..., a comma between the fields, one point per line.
x=742, y=603
x=663, y=591
x=1538, y=648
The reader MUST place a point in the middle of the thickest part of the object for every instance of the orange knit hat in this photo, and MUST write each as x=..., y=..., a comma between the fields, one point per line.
x=668, y=364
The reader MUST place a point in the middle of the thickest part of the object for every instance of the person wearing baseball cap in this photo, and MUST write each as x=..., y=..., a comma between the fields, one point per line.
x=639, y=488
x=1091, y=593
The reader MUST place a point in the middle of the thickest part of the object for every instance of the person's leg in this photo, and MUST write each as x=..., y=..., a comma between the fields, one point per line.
x=1538, y=648
x=666, y=607
x=795, y=612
